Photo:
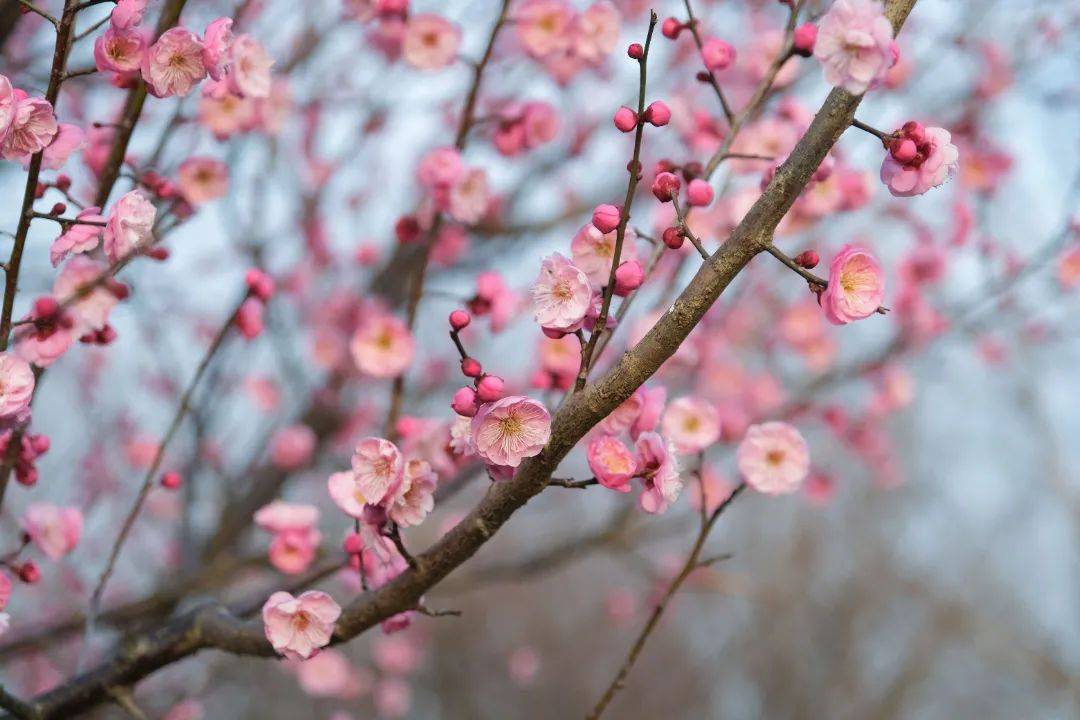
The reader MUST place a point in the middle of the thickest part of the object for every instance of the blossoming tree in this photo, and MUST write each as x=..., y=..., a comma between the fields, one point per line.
x=284, y=341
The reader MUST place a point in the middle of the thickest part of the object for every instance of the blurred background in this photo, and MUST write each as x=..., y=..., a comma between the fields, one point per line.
x=929, y=569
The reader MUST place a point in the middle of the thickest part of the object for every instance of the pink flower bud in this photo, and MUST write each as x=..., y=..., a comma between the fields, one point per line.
x=459, y=319
x=407, y=229
x=673, y=238
x=29, y=572
x=628, y=277
x=914, y=131
x=635, y=51
x=717, y=54
x=171, y=480
x=260, y=284
x=40, y=443
x=804, y=38
x=807, y=259
x=665, y=186
x=671, y=28
x=490, y=388
x=249, y=319
x=464, y=402
x=553, y=333
x=699, y=192
x=58, y=209
x=63, y=183
x=606, y=218
x=471, y=368
x=625, y=119
x=354, y=544
x=658, y=113
x=46, y=307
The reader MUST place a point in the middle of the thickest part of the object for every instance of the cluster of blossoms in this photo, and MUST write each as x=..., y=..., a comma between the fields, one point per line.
x=427, y=41
x=178, y=60
x=563, y=40
x=920, y=158
x=453, y=187
x=520, y=127
x=249, y=317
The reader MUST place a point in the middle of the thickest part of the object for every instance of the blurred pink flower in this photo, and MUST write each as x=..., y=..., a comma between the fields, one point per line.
x=55, y=530
x=855, y=44
x=773, y=458
x=431, y=41
x=382, y=346
x=691, y=423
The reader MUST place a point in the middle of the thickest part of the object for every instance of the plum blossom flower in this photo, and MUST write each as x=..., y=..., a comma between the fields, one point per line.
x=855, y=45
x=597, y=31
x=611, y=462
x=345, y=492
x=593, y=251
x=544, y=26
x=43, y=341
x=440, y=168
x=280, y=516
x=32, y=127
x=202, y=179
x=511, y=429
x=773, y=458
x=292, y=447
x=79, y=237
x=856, y=286
x=659, y=467
x=296, y=538
x=217, y=47
x=130, y=225
x=120, y=51
x=249, y=73
x=431, y=41
x=415, y=497
x=16, y=386
x=378, y=467
x=127, y=13
x=935, y=162
x=691, y=423
x=174, y=64
x=382, y=346
x=55, y=530
x=7, y=106
x=561, y=294
x=90, y=311
x=469, y=197
x=298, y=626
x=67, y=140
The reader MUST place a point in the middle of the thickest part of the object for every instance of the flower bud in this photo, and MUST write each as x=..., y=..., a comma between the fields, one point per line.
x=29, y=572
x=804, y=38
x=717, y=54
x=699, y=192
x=807, y=259
x=354, y=544
x=490, y=388
x=459, y=320
x=471, y=368
x=635, y=51
x=671, y=28
x=628, y=277
x=606, y=218
x=625, y=119
x=673, y=238
x=171, y=480
x=658, y=113
x=464, y=402
x=665, y=186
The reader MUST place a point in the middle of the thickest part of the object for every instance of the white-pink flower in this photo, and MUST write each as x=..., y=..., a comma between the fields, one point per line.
x=202, y=179
x=249, y=74
x=292, y=447
x=16, y=386
x=280, y=516
x=298, y=626
x=130, y=225
x=79, y=237
x=120, y=51
x=561, y=294
x=431, y=41
x=509, y=430
x=611, y=462
x=469, y=197
x=691, y=423
x=32, y=127
x=545, y=26
x=659, y=467
x=378, y=467
x=856, y=286
x=773, y=458
x=91, y=310
x=597, y=31
x=174, y=64
x=936, y=162
x=55, y=530
x=382, y=346
x=593, y=252
x=415, y=497
x=217, y=47
x=855, y=45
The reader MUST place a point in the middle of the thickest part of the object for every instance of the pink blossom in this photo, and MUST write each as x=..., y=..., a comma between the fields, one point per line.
x=378, y=467
x=298, y=626
x=597, y=31
x=79, y=237
x=855, y=45
x=561, y=294
x=217, y=47
x=469, y=197
x=431, y=41
x=440, y=169
x=345, y=492
x=55, y=530
x=856, y=286
x=328, y=674
x=280, y=516
x=130, y=225
x=292, y=551
x=120, y=52
x=45, y=340
x=611, y=462
x=415, y=497
x=7, y=106
x=1068, y=268
x=717, y=54
x=67, y=140
x=382, y=346
x=593, y=252
x=773, y=458
x=660, y=469
x=32, y=128
x=249, y=318
x=5, y=590
x=544, y=26
x=202, y=179
x=174, y=64
x=509, y=430
x=652, y=405
x=691, y=423
x=249, y=72
x=292, y=447
x=935, y=163
x=127, y=13
x=16, y=387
